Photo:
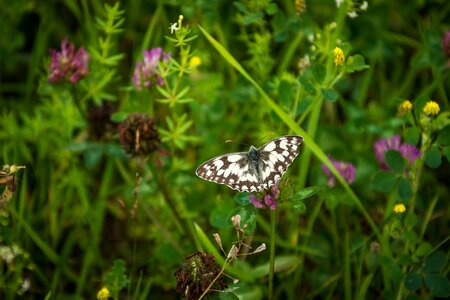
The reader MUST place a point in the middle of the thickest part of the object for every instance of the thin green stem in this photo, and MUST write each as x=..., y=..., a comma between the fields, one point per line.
x=272, y=251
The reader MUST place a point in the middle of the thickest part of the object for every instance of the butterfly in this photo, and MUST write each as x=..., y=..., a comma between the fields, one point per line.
x=255, y=170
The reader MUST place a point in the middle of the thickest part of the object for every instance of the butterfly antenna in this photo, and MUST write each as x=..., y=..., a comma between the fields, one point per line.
x=267, y=136
x=233, y=141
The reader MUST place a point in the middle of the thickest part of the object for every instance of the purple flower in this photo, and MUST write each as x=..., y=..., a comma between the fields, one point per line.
x=256, y=201
x=147, y=71
x=446, y=46
x=269, y=198
x=68, y=65
x=408, y=151
x=347, y=171
x=383, y=145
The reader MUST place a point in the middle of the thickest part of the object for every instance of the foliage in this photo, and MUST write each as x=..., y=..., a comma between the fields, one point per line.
x=107, y=166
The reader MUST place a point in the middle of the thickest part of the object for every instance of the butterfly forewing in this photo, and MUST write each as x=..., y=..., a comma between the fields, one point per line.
x=259, y=172
x=277, y=155
x=224, y=169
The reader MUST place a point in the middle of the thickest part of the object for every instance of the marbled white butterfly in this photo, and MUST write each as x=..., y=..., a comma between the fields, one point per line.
x=255, y=170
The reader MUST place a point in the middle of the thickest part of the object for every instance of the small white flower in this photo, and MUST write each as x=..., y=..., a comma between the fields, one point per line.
x=352, y=14
x=364, y=6
x=339, y=2
x=174, y=27
x=25, y=285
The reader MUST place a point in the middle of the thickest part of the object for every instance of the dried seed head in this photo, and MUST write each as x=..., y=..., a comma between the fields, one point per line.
x=196, y=274
x=138, y=135
x=233, y=252
x=261, y=248
x=218, y=239
x=236, y=220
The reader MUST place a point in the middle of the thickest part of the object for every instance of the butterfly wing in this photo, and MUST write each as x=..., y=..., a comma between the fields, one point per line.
x=228, y=169
x=277, y=155
x=233, y=169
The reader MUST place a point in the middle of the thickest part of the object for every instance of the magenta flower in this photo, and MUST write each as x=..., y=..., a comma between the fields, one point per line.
x=269, y=198
x=147, y=71
x=446, y=46
x=68, y=65
x=408, y=151
x=347, y=171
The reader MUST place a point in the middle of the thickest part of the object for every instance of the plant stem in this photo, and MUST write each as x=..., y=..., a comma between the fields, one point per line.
x=272, y=251
x=227, y=261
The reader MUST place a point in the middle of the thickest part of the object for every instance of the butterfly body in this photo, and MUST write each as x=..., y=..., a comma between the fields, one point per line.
x=255, y=170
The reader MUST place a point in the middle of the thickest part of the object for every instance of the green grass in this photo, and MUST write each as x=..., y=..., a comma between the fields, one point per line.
x=84, y=214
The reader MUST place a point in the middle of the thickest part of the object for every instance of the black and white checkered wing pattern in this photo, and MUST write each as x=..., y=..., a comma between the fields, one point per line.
x=277, y=155
x=252, y=171
x=228, y=169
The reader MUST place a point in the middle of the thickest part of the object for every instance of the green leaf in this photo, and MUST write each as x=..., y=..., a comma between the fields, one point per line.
x=424, y=249
x=383, y=181
x=439, y=285
x=282, y=263
x=444, y=136
x=299, y=207
x=319, y=72
x=307, y=192
x=271, y=9
x=396, y=273
x=435, y=262
x=413, y=135
x=116, y=279
x=447, y=152
x=207, y=244
x=395, y=161
x=219, y=217
x=329, y=94
x=222, y=296
x=433, y=157
x=246, y=291
x=411, y=220
x=242, y=198
x=409, y=235
x=413, y=281
x=404, y=260
x=252, y=18
x=355, y=63
x=248, y=215
x=404, y=189
x=306, y=83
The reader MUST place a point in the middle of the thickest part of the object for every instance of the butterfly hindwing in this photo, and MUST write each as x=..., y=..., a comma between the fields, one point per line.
x=255, y=170
x=277, y=155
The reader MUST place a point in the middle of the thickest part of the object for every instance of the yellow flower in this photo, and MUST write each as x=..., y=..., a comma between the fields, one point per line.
x=405, y=107
x=195, y=61
x=339, y=56
x=399, y=208
x=431, y=108
x=103, y=294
